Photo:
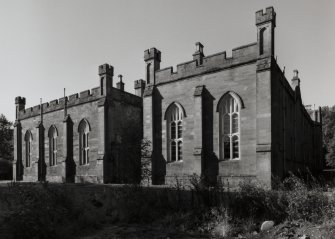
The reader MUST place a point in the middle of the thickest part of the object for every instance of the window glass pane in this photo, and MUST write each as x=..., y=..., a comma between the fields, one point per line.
x=226, y=145
x=235, y=147
x=84, y=157
x=180, y=150
x=226, y=124
x=50, y=152
x=173, y=130
x=235, y=123
x=173, y=151
x=173, y=113
x=180, y=130
x=84, y=140
x=226, y=106
x=230, y=105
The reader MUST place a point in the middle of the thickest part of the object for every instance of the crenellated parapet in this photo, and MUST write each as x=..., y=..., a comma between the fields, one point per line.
x=219, y=61
x=268, y=16
x=58, y=104
x=106, y=69
x=20, y=100
x=105, y=89
x=139, y=86
x=77, y=99
x=152, y=54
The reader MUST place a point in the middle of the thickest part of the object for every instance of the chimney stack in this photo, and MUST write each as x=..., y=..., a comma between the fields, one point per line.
x=199, y=53
x=120, y=84
x=295, y=80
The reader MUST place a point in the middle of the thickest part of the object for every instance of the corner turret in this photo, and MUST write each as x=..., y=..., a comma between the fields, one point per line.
x=152, y=59
x=20, y=103
x=139, y=86
x=106, y=73
x=266, y=23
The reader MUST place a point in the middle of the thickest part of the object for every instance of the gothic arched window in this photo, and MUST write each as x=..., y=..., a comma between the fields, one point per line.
x=28, y=138
x=53, y=145
x=84, y=129
x=174, y=117
x=229, y=110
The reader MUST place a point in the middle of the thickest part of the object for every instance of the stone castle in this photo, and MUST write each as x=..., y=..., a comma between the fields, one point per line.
x=223, y=118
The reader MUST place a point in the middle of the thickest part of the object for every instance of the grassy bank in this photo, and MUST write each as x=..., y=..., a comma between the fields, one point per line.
x=65, y=211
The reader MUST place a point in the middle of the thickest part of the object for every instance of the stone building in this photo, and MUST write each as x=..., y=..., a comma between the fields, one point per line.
x=76, y=138
x=224, y=118
x=229, y=118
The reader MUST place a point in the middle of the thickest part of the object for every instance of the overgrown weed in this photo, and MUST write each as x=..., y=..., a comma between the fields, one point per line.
x=52, y=211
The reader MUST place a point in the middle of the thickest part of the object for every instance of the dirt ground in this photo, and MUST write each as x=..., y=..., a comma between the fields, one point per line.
x=287, y=230
x=121, y=231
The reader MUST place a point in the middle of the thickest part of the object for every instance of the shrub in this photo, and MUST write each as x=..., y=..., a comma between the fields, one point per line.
x=306, y=203
x=254, y=201
x=42, y=211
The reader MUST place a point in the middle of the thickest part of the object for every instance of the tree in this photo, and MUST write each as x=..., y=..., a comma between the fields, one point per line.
x=6, y=138
x=328, y=131
x=146, y=172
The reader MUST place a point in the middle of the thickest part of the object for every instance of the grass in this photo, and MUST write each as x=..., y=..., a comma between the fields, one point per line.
x=63, y=211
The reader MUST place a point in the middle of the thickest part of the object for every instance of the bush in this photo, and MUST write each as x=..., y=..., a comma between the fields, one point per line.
x=42, y=211
x=51, y=211
x=306, y=203
x=254, y=201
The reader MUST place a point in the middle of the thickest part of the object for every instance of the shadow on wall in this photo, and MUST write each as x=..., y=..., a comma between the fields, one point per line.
x=210, y=161
x=125, y=155
x=70, y=169
x=158, y=161
x=6, y=169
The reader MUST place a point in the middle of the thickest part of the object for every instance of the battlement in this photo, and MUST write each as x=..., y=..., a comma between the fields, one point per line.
x=106, y=69
x=240, y=55
x=152, y=53
x=76, y=99
x=58, y=104
x=20, y=100
x=139, y=83
x=268, y=16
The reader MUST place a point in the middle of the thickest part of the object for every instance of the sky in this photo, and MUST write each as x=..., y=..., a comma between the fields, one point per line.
x=46, y=46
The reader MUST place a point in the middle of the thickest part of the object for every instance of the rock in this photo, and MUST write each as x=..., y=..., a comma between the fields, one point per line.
x=221, y=230
x=254, y=233
x=267, y=225
x=304, y=237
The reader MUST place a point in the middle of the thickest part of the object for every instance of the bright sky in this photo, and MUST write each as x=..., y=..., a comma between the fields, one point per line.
x=48, y=45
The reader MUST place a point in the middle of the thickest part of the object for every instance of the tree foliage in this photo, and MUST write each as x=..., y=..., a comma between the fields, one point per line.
x=6, y=138
x=328, y=130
